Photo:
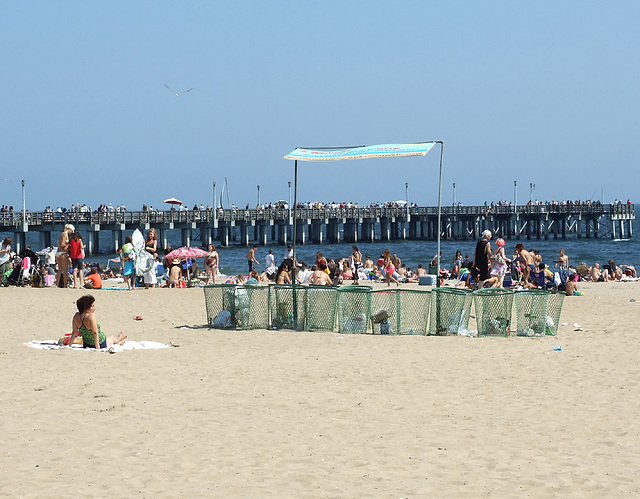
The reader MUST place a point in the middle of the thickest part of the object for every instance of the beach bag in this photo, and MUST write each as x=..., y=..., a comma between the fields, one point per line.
x=223, y=319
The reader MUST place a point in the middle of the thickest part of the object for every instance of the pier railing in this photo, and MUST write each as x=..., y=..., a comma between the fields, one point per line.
x=43, y=219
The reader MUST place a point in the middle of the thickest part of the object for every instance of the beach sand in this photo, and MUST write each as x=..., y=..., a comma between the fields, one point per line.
x=284, y=414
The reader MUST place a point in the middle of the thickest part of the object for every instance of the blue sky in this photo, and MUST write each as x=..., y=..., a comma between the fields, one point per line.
x=538, y=92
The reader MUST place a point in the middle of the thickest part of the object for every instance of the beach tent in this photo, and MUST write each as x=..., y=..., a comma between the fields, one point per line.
x=364, y=152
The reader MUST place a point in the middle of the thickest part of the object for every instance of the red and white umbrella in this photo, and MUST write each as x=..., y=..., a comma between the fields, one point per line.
x=172, y=201
x=186, y=252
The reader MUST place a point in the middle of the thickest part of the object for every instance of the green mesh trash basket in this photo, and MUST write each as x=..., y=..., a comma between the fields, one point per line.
x=493, y=311
x=414, y=311
x=251, y=304
x=354, y=306
x=287, y=306
x=320, y=308
x=218, y=309
x=450, y=310
x=385, y=316
x=231, y=306
x=538, y=312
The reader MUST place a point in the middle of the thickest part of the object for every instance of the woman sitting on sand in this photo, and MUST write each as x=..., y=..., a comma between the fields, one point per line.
x=283, y=274
x=86, y=325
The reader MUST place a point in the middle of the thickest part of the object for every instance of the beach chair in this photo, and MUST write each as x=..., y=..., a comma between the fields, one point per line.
x=560, y=279
x=538, y=278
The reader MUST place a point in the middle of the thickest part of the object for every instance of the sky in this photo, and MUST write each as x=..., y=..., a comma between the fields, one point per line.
x=542, y=93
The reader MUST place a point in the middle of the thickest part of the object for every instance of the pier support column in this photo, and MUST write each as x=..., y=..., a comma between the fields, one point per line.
x=93, y=239
x=244, y=235
x=351, y=231
x=206, y=236
x=116, y=237
x=45, y=239
x=385, y=229
x=21, y=238
x=186, y=236
x=301, y=236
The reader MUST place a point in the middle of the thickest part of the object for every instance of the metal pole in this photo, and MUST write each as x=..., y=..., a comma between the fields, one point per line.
x=439, y=210
x=295, y=206
x=515, y=194
x=258, y=196
x=406, y=199
x=295, y=259
x=289, y=202
x=24, y=213
x=454, y=194
x=213, y=205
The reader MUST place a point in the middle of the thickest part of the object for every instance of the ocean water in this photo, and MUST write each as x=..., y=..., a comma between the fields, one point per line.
x=233, y=259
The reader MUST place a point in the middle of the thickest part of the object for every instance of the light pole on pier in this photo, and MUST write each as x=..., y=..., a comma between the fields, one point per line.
x=454, y=194
x=258, y=196
x=24, y=213
x=213, y=204
x=532, y=187
x=515, y=193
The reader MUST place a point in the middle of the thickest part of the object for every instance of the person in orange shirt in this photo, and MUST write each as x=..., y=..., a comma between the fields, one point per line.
x=93, y=280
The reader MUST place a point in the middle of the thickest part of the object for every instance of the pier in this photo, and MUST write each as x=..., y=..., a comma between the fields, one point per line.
x=317, y=226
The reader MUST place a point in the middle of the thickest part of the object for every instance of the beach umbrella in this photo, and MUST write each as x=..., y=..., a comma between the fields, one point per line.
x=172, y=201
x=186, y=252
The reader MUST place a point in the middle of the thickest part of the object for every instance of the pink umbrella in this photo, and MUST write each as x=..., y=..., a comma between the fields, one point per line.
x=186, y=252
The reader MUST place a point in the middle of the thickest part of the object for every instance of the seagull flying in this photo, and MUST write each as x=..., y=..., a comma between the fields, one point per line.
x=177, y=93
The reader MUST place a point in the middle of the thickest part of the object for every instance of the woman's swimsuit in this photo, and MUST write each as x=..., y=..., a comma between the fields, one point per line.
x=88, y=339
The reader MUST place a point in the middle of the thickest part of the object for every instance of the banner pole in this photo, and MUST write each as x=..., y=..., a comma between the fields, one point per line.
x=295, y=259
x=439, y=211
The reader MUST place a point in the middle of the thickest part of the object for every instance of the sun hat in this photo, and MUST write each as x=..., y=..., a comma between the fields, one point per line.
x=70, y=226
x=175, y=261
x=500, y=242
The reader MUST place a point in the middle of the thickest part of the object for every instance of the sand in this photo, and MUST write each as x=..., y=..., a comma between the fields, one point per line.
x=284, y=414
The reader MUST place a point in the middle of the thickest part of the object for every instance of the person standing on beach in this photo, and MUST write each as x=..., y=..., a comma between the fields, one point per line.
x=357, y=262
x=389, y=268
x=211, y=264
x=151, y=246
x=481, y=258
x=5, y=254
x=62, y=256
x=128, y=258
x=527, y=261
x=76, y=247
x=563, y=260
x=251, y=257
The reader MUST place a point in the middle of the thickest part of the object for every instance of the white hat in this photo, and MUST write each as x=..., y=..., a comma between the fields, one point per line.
x=70, y=226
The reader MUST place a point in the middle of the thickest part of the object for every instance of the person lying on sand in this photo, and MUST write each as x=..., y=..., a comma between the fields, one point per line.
x=85, y=324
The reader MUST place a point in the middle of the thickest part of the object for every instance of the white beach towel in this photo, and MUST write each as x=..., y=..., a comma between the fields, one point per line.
x=129, y=345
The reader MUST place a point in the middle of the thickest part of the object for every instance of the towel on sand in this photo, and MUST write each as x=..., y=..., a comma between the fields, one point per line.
x=129, y=345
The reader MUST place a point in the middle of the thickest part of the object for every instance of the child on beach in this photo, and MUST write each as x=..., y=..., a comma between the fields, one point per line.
x=128, y=262
x=174, y=274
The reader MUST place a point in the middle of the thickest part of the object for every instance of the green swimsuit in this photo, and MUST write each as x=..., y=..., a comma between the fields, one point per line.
x=88, y=338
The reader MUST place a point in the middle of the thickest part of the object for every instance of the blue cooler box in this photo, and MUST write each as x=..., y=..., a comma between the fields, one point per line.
x=427, y=280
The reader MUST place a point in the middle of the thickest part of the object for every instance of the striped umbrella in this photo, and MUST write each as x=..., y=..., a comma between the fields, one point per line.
x=186, y=252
